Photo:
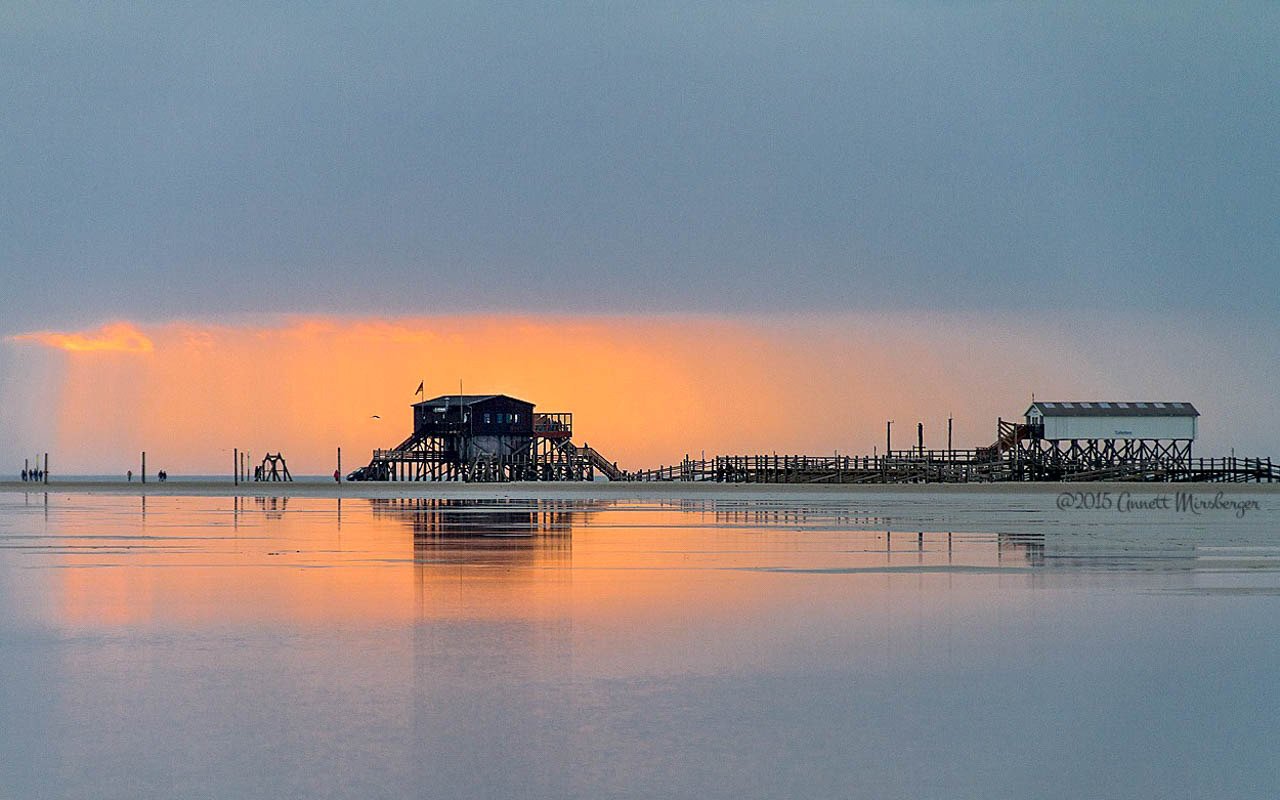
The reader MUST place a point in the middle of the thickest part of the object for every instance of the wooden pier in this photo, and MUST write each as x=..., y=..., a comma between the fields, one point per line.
x=501, y=438
x=1055, y=441
x=953, y=466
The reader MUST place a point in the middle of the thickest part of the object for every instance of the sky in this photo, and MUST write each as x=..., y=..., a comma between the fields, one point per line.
x=770, y=185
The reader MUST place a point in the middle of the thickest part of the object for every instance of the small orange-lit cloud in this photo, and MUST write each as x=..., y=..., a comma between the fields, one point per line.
x=115, y=337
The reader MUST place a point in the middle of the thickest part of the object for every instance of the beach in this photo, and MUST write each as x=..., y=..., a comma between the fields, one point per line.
x=319, y=487
x=719, y=641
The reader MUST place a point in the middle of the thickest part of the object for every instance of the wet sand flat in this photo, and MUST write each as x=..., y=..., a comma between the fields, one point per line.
x=313, y=487
x=196, y=640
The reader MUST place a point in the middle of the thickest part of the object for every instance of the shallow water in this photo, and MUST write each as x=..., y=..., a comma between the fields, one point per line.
x=821, y=647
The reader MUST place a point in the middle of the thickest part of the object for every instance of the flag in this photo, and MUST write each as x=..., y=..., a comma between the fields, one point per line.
x=419, y=391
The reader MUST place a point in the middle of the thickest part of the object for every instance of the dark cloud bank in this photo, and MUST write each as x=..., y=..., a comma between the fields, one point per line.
x=421, y=158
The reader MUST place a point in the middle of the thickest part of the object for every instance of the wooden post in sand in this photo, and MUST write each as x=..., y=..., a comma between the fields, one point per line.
x=144, y=466
x=45, y=474
x=235, y=468
x=339, y=464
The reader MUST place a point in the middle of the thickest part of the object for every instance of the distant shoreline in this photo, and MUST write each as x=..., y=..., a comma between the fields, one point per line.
x=596, y=489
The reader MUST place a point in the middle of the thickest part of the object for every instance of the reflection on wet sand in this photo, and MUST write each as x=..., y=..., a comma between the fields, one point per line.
x=441, y=517
x=532, y=648
x=508, y=534
x=773, y=513
x=175, y=560
x=1025, y=548
x=116, y=560
x=272, y=507
x=487, y=532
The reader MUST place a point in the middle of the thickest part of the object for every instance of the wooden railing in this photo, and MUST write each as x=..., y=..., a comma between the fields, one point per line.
x=553, y=424
x=608, y=468
x=947, y=466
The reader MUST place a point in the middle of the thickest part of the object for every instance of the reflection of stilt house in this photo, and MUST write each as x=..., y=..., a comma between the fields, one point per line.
x=489, y=437
x=502, y=532
x=451, y=518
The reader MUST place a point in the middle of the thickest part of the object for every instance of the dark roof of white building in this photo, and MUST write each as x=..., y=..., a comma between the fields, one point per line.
x=1111, y=408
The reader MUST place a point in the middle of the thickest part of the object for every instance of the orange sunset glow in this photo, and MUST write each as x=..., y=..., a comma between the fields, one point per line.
x=643, y=391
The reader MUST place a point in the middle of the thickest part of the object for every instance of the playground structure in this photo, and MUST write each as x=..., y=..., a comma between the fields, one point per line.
x=272, y=469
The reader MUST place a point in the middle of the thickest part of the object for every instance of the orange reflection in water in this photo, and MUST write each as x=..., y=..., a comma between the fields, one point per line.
x=228, y=560
x=194, y=562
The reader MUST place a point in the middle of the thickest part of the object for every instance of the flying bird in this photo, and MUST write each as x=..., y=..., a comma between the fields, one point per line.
x=375, y=416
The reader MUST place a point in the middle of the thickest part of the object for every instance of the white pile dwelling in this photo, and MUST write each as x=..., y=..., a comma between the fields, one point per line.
x=1064, y=421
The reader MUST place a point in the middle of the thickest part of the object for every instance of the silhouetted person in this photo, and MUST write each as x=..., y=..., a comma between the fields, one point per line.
x=337, y=476
x=129, y=475
x=24, y=475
